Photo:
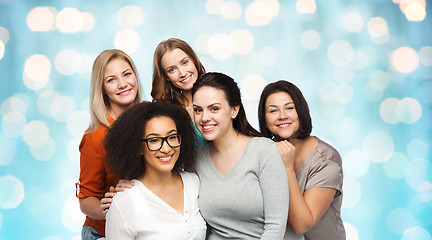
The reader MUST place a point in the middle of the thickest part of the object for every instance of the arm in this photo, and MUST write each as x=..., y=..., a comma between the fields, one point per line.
x=91, y=207
x=274, y=186
x=305, y=209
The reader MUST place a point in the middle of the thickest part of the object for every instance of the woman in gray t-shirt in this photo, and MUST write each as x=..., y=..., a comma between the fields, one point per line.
x=313, y=167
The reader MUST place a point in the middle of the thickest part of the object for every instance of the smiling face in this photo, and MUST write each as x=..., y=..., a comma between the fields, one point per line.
x=281, y=115
x=213, y=115
x=180, y=69
x=164, y=159
x=119, y=84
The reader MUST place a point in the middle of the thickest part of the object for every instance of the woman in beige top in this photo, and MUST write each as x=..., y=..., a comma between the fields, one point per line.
x=313, y=167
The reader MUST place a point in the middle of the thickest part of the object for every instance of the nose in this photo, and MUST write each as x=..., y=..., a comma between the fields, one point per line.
x=122, y=83
x=283, y=114
x=165, y=147
x=182, y=72
x=205, y=116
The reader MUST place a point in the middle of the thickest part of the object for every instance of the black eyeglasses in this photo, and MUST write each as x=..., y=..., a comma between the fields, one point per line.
x=155, y=143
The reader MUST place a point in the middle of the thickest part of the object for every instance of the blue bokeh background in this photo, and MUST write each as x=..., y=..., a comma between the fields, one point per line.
x=365, y=68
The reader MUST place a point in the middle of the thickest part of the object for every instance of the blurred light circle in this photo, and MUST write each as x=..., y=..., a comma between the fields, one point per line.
x=306, y=6
x=78, y=122
x=36, y=133
x=252, y=86
x=268, y=56
x=2, y=49
x=408, y=110
x=360, y=60
x=381, y=40
x=44, y=101
x=4, y=35
x=45, y=151
x=388, y=110
x=340, y=52
x=343, y=73
x=37, y=68
x=399, y=219
x=69, y=20
x=62, y=107
x=347, y=131
x=426, y=195
x=44, y=209
x=201, y=43
x=356, y=163
x=214, y=6
x=415, y=12
x=71, y=216
x=403, y=4
x=73, y=149
x=251, y=114
x=13, y=124
x=379, y=80
x=242, y=41
x=41, y=19
x=67, y=62
x=344, y=93
x=260, y=12
x=371, y=94
x=377, y=27
x=416, y=233
x=7, y=150
x=219, y=46
x=416, y=174
x=12, y=192
x=231, y=10
x=130, y=17
x=353, y=22
x=127, y=40
x=352, y=192
x=310, y=39
x=404, y=60
x=248, y=64
x=88, y=23
x=378, y=145
x=326, y=91
x=86, y=63
x=351, y=231
x=425, y=54
x=418, y=148
x=371, y=53
x=395, y=167
x=13, y=104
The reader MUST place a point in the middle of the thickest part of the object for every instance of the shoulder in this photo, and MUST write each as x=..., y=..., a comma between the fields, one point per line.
x=190, y=177
x=128, y=194
x=328, y=152
x=263, y=145
x=94, y=138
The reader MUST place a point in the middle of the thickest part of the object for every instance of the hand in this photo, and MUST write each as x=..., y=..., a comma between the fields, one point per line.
x=287, y=152
x=123, y=184
x=106, y=201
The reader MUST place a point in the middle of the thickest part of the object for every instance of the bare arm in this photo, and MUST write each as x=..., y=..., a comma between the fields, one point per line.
x=304, y=209
x=91, y=206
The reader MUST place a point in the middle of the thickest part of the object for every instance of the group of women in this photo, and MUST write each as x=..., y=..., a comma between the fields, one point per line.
x=191, y=165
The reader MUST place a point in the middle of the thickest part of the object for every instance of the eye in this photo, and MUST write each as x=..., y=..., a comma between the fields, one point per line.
x=172, y=137
x=127, y=74
x=272, y=110
x=171, y=70
x=214, y=109
x=197, y=110
x=185, y=62
x=153, y=140
x=110, y=80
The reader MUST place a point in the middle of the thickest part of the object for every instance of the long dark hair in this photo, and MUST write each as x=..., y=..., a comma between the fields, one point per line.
x=123, y=140
x=232, y=94
x=300, y=104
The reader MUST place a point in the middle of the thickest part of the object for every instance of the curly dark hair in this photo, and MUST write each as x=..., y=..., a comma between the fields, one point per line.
x=232, y=94
x=300, y=104
x=123, y=139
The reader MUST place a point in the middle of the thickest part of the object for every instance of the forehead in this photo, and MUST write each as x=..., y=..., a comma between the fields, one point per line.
x=159, y=125
x=205, y=96
x=116, y=64
x=172, y=57
x=278, y=98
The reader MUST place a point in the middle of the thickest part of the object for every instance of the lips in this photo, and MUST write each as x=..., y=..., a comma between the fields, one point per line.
x=283, y=125
x=187, y=80
x=126, y=92
x=207, y=128
x=165, y=158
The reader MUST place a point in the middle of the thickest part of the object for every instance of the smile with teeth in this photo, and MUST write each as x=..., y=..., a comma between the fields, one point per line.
x=124, y=92
x=165, y=158
x=186, y=80
x=208, y=128
x=283, y=125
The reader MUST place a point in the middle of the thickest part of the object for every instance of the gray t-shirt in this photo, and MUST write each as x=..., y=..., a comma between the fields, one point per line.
x=251, y=201
x=323, y=168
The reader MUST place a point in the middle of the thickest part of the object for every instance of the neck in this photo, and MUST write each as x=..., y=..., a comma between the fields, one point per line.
x=116, y=111
x=230, y=140
x=157, y=179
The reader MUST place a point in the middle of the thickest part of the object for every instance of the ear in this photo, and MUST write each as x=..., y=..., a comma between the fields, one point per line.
x=235, y=111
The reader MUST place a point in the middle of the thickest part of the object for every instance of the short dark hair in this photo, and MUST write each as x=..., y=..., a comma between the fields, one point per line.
x=232, y=94
x=300, y=103
x=123, y=140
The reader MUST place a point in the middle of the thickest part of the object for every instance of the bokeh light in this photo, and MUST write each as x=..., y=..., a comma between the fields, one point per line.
x=12, y=192
x=405, y=60
x=69, y=20
x=127, y=40
x=41, y=19
x=130, y=17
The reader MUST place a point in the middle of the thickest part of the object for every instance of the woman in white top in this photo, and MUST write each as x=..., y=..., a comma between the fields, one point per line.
x=152, y=143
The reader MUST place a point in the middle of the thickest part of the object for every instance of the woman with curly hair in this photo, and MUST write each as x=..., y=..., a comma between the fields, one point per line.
x=115, y=87
x=152, y=144
x=313, y=167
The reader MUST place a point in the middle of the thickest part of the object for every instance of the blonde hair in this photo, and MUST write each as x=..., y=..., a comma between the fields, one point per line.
x=99, y=102
x=162, y=89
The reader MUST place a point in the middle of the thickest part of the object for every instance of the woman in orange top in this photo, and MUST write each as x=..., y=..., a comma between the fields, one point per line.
x=115, y=87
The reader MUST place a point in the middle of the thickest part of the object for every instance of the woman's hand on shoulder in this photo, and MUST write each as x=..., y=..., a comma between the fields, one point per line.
x=121, y=186
x=287, y=152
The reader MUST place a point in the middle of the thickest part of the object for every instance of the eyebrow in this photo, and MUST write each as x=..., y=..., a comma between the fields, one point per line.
x=166, y=69
x=157, y=135
x=112, y=75
x=288, y=103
